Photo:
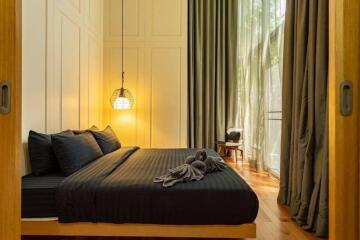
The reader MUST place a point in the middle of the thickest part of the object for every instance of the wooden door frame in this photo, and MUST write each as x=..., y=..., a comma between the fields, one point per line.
x=10, y=124
x=344, y=132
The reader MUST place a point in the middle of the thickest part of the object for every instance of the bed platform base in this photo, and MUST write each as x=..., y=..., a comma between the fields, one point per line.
x=54, y=228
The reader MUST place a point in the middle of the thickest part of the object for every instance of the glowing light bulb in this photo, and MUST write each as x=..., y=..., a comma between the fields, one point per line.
x=122, y=103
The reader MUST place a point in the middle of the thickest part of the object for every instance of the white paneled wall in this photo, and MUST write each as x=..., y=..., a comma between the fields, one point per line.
x=64, y=85
x=155, y=56
x=62, y=65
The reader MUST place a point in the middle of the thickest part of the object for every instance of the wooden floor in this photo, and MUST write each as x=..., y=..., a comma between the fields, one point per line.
x=273, y=221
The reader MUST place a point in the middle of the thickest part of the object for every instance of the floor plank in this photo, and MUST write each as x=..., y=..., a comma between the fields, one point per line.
x=273, y=221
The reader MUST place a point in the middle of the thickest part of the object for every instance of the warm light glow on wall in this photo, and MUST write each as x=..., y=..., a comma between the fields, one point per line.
x=156, y=78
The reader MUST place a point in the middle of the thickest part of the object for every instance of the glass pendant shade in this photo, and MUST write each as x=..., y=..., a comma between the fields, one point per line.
x=122, y=99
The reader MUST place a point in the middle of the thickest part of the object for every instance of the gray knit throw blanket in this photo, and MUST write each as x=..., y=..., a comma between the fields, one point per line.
x=195, y=168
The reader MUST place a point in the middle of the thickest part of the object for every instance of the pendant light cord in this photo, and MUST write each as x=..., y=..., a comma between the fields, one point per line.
x=122, y=45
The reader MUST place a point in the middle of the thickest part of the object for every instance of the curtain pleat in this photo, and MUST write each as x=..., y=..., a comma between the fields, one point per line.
x=304, y=147
x=212, y=71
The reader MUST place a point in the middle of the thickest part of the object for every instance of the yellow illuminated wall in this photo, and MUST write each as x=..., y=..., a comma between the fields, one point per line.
x=155, y=58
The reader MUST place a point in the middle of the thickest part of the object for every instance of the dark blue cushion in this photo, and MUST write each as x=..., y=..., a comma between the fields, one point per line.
x=107, y=140
x=93, y=128
x=42, y=157
x=74, y=152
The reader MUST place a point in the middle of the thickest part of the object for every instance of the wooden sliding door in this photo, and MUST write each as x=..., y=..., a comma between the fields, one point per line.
x=10, y=116
x=344, y=119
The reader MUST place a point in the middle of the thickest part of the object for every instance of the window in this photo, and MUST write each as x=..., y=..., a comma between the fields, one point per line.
x=261, y=27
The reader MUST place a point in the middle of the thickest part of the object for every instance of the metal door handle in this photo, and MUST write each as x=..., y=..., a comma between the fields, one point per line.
x=5, y=97
x=346, y=104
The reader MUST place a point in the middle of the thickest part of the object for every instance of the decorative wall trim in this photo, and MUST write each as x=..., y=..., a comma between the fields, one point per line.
x=145, y=88
x=66, y=32
x=153, y=15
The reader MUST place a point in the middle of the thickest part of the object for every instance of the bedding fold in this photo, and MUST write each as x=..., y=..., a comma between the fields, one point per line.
x=119, y=188
x=195, y=169
x=77, y=193
x=182, y=173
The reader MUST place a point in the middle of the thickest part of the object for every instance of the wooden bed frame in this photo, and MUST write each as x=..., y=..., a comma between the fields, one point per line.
x=54, y=228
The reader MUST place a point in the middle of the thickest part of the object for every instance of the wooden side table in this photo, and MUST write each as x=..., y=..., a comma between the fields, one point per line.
x=224, y=147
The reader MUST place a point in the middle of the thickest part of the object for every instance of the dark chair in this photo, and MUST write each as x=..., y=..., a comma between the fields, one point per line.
x=233, y=142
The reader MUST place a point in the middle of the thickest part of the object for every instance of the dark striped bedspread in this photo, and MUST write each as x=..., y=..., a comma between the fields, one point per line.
x=119, y=188
x=38, y=195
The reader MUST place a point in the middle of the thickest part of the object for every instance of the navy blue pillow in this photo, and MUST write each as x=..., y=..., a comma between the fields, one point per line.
x=74, y=152
x=93, y=128
x=107, y=140
x=42, y=156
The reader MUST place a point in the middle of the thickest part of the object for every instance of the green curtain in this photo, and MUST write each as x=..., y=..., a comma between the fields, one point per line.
x=304, y=148
x=212, y=70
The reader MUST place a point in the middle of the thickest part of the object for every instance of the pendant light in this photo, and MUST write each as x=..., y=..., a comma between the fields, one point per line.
x=122, y=98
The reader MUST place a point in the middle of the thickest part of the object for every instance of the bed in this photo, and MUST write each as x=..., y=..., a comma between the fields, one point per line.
x=116, y=196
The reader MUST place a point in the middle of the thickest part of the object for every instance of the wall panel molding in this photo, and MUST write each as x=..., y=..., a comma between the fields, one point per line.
x=33, y=72
x=166, y=18
x=68, y=74
x=159, y=85
x=71, y=42
x=165, y=95
x=133, y=23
